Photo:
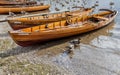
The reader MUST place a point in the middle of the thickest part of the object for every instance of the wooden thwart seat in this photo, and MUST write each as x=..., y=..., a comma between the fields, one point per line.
x=42, y=27
x=28, y=30
x=63, y=23
x=35, y=28
x=50, y=26
x=100, y=17
x=57, y=24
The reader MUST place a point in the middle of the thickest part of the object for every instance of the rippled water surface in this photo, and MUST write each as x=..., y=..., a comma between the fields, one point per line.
x=98, y=52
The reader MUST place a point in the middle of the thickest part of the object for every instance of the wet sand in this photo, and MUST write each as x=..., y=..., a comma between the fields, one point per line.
x=98, y=52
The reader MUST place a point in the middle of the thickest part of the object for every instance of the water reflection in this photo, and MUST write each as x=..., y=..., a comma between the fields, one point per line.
x=86, y=39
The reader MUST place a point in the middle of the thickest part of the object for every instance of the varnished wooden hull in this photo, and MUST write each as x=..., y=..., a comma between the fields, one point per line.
x=26, y=39
x=17, y=9
x=25, y=22
x=5, y=2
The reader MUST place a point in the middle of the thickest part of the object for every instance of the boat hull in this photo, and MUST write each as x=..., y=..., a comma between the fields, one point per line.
x=17, y=3
x=7, y=9
x=26, y=39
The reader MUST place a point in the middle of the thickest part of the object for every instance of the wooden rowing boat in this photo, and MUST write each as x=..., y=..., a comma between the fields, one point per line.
x=55, y=30
x=6, y=2
x=24, y=22
x=18, y=9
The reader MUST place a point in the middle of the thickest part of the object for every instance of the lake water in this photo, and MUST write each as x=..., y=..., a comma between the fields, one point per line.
x=98, y=52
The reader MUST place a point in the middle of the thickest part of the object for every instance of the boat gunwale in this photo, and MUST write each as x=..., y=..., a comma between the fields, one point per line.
x=24, y=6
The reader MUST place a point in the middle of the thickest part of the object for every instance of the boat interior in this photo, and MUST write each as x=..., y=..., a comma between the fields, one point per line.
x=73, y=22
